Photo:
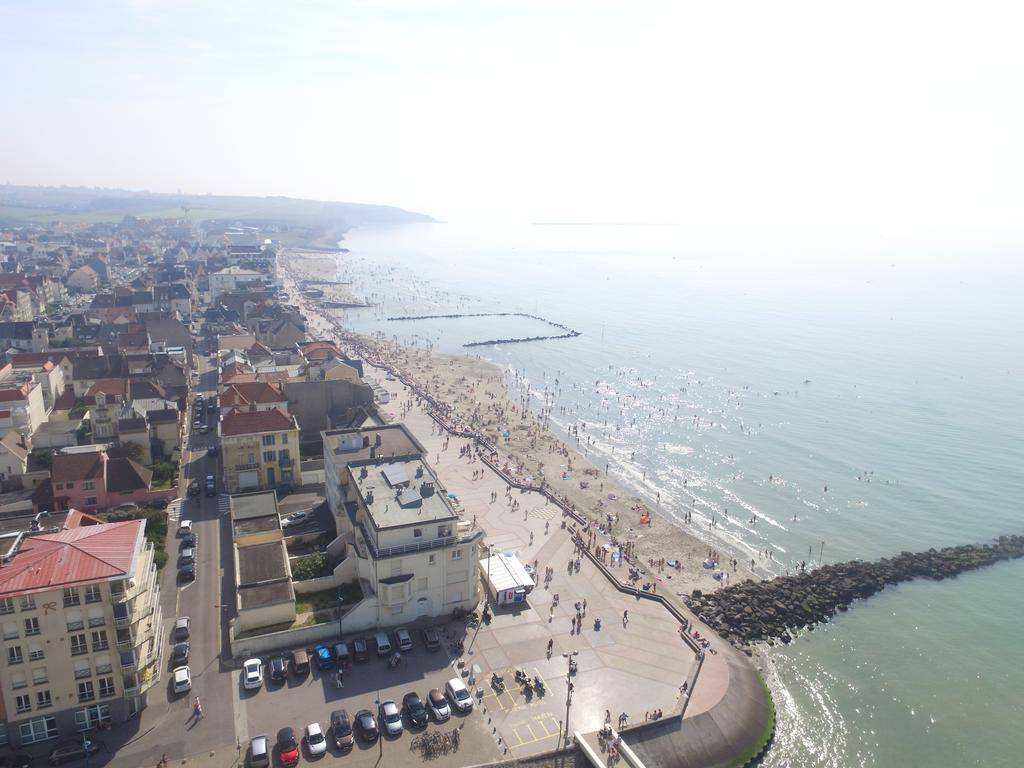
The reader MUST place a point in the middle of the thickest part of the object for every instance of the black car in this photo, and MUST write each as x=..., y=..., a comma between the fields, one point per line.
x=71, y=751
x=278, y=669
x=15, y=761
x=187, y=572
x=212, y=450
x=341, y=730
x=359, y=650
x=414, y=708
x=179, y=654
x=366, y=726
x=431, y=638
x=188, y=541
x=193, y=488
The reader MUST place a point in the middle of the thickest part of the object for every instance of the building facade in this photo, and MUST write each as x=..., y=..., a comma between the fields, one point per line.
x=260, y=450
x=81, y=622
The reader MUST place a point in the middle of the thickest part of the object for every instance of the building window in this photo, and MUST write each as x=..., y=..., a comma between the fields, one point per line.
x=35, y=652
x=99, y=641
x=107, y=687
x=71, y=597
x=269, y=440
x=93, y=594
x=421, y=585
x=18, y=680
x=14, y=655
x=284, y=454
x=23, y=702
x=28, y=603
x=284, y=439
x=417, y=533
x=431, y=559
x=92, y=716
x=10, y=630
x=40, y=729
x=89, y=485
x=270, y=455
x=6, y=605
x=78, y=645
x=43, y=700
x=60, y=486
x=70, y=486
x=31, y=626
x=397, y=609
x=85, y=691
x=90, y=501
x=39, y=676
x=456, y=554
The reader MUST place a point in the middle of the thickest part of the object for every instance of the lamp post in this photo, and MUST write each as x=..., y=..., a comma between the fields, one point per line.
x=341, y=615
x=568, y=694
x=487, y=588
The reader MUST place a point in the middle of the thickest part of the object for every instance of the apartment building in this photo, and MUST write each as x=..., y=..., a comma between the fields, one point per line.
x=81, y=622
x=260, y=450
x=415, y=552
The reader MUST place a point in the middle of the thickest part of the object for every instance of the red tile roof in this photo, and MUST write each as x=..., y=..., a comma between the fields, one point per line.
x=243, y=393
x=82, y=555
x=255, y=422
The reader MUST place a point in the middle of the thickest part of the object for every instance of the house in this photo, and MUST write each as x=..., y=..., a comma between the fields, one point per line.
x=264, y=596
x=85, y=279
x=134, y=431
x=229, y=279
x=260, y=449
x=83, y=368
x=16, y=335
x=105, y=400
x=165, y=432
x=414, y=552
x=93, y=481
x=262, y=396
x=80, y=611
x=14, y=455
x=24, y=400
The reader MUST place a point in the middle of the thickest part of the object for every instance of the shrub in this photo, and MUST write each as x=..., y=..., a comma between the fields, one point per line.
x=310, y=567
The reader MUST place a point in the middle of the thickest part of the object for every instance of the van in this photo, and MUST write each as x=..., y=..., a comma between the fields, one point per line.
x=259, y=752
x=404, y=639
x=341, y=654
x=300, y=662
x=383, y=644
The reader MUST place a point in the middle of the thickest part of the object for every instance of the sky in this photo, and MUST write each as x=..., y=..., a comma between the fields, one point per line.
x=861, y=120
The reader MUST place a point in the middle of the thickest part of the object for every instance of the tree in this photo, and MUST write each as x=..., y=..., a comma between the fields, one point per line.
x=309, y=567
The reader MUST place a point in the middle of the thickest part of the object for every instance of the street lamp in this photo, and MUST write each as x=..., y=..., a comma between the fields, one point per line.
x=341, y=614
x=568, y=694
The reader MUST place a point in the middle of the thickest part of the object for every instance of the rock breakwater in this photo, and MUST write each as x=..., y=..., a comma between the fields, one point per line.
x=770, y=611
x=569, y=333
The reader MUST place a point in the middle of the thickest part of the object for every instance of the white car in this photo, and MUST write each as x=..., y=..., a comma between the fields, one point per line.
x=182, y=677
x=392, y=717
x=252, y=674
x=296, y=518
x=404, y=639
x=315, y=741
x=438, y=705
x=185, y=526
x=459, y=694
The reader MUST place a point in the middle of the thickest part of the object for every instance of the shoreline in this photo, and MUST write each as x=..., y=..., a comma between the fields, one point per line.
x=475, y=394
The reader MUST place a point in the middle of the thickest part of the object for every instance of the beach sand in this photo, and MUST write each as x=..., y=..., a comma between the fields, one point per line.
x=475, y=395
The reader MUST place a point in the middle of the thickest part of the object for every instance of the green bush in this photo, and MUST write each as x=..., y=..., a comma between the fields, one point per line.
x=310, y=567
x=164, y=474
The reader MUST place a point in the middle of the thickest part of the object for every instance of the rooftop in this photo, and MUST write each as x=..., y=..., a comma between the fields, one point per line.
x=261, y=563
x=256, y=422
x=76, y=556
x=360, y=444
x=390, y=506
x=256, y=595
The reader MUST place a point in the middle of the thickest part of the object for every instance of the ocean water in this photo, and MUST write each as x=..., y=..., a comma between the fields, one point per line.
x=812, y=406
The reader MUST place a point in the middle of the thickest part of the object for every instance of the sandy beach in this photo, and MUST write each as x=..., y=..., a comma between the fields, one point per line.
x=474, y=393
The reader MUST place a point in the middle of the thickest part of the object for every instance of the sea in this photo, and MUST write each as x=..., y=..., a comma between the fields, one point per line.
x=804, y=407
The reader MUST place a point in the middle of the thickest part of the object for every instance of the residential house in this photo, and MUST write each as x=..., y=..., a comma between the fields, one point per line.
x=264, y=596
x=14, y=455
x=260, y=450
x=82, y=628
x=134, y=431
x=245, y=396
x=106, y=400
x=22, y=398
x=93, y=481
x=16, y=335
x=165, y=432
x=229, y=279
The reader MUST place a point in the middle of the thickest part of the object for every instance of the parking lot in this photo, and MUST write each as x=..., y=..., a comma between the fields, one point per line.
x=311, y=698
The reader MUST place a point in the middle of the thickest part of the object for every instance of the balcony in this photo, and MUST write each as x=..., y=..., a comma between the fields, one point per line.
x=79, y=650
x=129, y=661
x=81, y=674
x=74, y=626
x=104, y=669
x=285, y=463
x=245, y=467
x=98, y=621
x=130, y=691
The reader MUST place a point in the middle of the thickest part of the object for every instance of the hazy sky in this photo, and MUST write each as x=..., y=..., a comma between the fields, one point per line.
x=873, y=119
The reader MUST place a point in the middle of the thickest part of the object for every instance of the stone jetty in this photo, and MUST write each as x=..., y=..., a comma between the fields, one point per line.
x=567, y=332
x=772, y=611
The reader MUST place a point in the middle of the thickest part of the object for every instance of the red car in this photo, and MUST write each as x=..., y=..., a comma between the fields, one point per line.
x=288, y=747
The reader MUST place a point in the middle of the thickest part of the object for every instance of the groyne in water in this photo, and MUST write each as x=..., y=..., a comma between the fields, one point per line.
x=770, y=611
x=568, y=333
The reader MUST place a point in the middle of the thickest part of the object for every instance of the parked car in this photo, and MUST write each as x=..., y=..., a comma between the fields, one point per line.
x=252, y=674
x=415, y=710
x=279, y=669
x=188, y=541
x=184, y=527
x=341, y=730
x=366, y=726
x=212, y=451
x=193, y=488
x=182, y=628
x=391, y=716
x=300, y=662
x=205, y=429
x=179, y=654
x=187, y=557
x=295, y=518
x=383, y=644
x=431, y=638
x=287, y=747
x=438, y=705
x=316, y=742
x=459, y=694
x=324, y=657
x=181, y=678
x=404, y=639
x=197, y=423
x=187, y=573
x=341, y=654
x=359, y=650
x=259, y=752
x=70, y=751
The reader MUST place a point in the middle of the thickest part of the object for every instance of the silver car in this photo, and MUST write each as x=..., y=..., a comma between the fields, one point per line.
x=391, y=715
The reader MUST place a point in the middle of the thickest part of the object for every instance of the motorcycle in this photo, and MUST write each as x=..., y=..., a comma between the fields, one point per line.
x=497, y=682
x=572, y=667
x=538, y=684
